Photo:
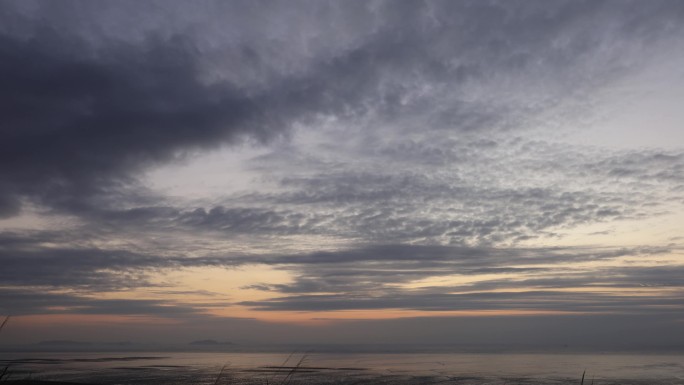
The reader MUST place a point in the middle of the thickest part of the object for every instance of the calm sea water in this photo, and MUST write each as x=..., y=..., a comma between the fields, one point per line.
x=326, y=368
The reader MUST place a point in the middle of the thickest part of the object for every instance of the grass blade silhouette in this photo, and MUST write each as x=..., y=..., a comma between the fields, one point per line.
x=4, y=322
x=273, y=375
x=583, y=373
x=218, y=378
x=287, y=378
x=5, y=370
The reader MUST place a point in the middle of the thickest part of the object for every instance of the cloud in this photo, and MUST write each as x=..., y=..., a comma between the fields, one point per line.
x=84, y=114
x=372, y=277
x=412, y=155
x=426, y=279
x=402, y=271
x=500, y=198
x=78, y=123
x=26, y=302
x=557, y=301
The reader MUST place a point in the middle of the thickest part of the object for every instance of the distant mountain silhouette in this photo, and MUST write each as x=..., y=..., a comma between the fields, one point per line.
x=210, y=343
x=64, y=342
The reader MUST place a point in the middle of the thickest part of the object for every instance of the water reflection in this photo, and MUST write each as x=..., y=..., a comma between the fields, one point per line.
x=326, y=368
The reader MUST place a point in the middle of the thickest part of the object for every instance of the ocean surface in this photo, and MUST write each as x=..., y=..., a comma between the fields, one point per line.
x=347, y=368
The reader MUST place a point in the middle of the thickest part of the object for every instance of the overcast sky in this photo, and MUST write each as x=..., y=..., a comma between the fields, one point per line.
x=352, y=171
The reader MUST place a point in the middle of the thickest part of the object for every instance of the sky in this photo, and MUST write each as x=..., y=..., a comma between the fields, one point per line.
x=344, y=172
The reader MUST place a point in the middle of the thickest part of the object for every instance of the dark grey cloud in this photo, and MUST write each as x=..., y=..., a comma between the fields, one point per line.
x=57, y=262
x=533, y=279
x=364, y=278
x=502, y=300
x=25, y=302
x=76, y=268
x=84, y=112
x=365, y=286
x=78, y=122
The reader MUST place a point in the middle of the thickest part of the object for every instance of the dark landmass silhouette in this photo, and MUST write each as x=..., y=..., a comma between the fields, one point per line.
x=210, y=343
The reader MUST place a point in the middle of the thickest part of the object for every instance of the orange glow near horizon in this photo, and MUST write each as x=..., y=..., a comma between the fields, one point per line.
x=300, y=318
x=89, y=319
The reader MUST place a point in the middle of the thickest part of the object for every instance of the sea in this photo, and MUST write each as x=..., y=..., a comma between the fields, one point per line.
x=345, y=368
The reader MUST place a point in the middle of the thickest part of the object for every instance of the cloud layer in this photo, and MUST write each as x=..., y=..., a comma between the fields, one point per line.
x=413, y=156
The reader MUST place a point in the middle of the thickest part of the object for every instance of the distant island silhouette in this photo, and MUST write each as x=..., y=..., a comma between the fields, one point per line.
x=210, y=343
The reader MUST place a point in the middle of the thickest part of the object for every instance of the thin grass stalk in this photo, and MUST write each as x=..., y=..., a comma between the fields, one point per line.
x=288, y=378
x=4, y=322
x=218, y=378
x=272, y=376
x=5, y=370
